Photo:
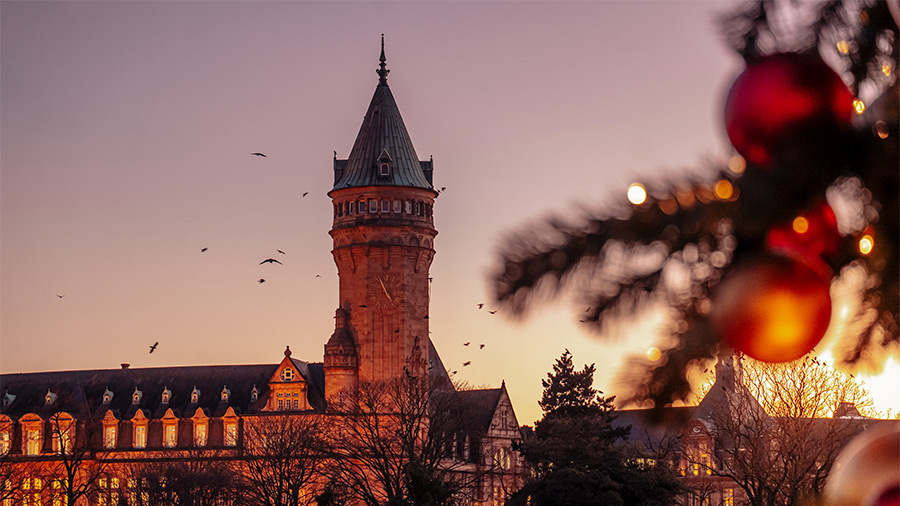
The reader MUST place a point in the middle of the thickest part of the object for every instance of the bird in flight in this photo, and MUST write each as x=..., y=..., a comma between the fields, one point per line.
x=304, y=194
x=270, y=261
x=363, y=305
x=480, y=305
x=60, y=296
x=282, y=252
x=153, y=347
x=203, y=250
x=467, y=362
x=492, y=312
x=453, y=372
x=261, y=281
x=318, y=275
x=481, y=347
x=259, y=154
x=466, y=343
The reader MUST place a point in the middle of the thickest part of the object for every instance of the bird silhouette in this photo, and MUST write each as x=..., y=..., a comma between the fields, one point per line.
x=153, y=346
x=481, y=347
x=259, y=154
x=453, y=372
x=318, y=275
x=270, y=261
x=467, y=362
x=426, y=317
x=203, y=250
x=60, y=296
x=261, y=281
x=466, y=343
x=304, y=194
x=363, y=305
x=492, y=312
x=282, y=252
x=443, y=188
x=480, y=305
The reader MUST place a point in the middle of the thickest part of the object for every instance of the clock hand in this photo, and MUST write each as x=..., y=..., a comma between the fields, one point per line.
x=384, y=288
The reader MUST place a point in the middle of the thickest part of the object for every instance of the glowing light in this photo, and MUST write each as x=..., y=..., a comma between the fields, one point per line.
x=724, y=190
x=668, y=206
x=881, y=129
x=800, y=225
x=858, y=106
x=737, y=164
x=653, y=354
x=866, y=244
x=886, y=70
x=843, y=47
x=637, y=194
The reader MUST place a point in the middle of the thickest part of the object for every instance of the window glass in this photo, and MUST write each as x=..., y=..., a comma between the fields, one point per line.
x=385, y=206
x=373, y=206
x=200, y=434
x=140, y=436
x=4, y=442
x=109, y=436
x=352, y=207
x=33, y=442
x=230, y=434
x=408, y=207
x=398, y=206
x=171, y=436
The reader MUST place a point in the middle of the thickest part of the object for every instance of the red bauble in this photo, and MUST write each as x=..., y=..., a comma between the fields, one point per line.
x=812, y=235
x=774, y=308
x=778, y=93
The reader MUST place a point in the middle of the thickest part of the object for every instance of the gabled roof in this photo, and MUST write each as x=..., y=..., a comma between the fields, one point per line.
x=477, y=407
x=382, y=133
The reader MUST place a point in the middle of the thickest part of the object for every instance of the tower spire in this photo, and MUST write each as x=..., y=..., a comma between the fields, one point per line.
x=382, y=67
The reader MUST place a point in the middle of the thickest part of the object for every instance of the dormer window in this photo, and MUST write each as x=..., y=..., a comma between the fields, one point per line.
x=225, y=394
x=49, y=398
x=8, y=399
x=107, y=396
x=195, y=395
x=166, y=395
x=136, y=396
x=287, y=374
x=254, y=394
x=384, y=169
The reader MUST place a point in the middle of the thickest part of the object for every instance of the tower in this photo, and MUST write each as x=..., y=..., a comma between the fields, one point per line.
x=383, y=236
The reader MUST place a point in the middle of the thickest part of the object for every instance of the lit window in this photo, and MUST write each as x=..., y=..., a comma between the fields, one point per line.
x=107, y=396
x=33, y=441
x=417, y=212
x=140, y=436
x=408, y=205
x=195, y=395
x=728, y=497
x=707, y=465
x=225, y=394
x=398, y=206
x=165, y=395
x=109, y=436
x=200, y=434
x=373, y=206
x=4, y=442
x=136, y=396
x=295, y=403
x=171, y=436
x=57, y=493
x=231, y=433
x=287, y=375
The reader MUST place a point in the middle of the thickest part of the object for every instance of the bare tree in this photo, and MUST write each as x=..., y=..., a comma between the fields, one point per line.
x=776, y=434
x=390, y=440
x=194, y=477
x=283, y=459
x=77, y=465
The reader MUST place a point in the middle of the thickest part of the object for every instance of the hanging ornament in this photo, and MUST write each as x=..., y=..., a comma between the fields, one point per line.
x=810, y=235
x=865, y=472
x=774, y=307
x=777, y=94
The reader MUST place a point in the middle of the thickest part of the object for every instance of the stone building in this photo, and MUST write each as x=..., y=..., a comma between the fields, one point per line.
x=383, y=234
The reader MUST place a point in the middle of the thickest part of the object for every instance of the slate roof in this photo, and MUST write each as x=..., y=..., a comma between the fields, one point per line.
x=81, y=392
x=382, y=135
x=478, y=407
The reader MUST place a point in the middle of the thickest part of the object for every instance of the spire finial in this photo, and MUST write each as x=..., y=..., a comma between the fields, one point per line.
x=382, y=67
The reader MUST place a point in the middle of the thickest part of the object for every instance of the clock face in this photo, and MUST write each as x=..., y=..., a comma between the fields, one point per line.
x=385, y=292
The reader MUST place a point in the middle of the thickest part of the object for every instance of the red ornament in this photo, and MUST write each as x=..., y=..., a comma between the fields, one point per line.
x=774, y=308
x=812, y=235
x=778, y=93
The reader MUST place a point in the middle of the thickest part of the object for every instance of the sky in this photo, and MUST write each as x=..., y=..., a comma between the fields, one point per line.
x=127, y=130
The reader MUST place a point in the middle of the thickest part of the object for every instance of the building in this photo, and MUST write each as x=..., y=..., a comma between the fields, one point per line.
x=383, y=235
x=728, y=437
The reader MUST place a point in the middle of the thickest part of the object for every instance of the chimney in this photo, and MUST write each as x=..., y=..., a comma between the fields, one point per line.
x=125, y=366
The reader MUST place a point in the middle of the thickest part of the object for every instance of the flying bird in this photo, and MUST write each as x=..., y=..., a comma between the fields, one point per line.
x=60, y=296
x=453, y=372
x=481, y=347
x=259, y=154
x=203, y=250
x=261, y=281
x=318, y=275
x=467, y=362
x=480, y=305
x=466, y=343
x=426, y=317
x=443, y=188
x=270, y=261
x=492, y=312
x=304, y=194
x=282, y=252
x=153, y=347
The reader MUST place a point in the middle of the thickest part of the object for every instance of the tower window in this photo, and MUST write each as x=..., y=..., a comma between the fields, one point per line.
x=373, y=206
x=398, y=206
x=353, y=207
x=385, y=169
x=385, y=206
x=361, y=207
x=408, y=207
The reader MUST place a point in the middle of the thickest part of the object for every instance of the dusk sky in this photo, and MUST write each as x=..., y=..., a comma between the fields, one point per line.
x=127, y=133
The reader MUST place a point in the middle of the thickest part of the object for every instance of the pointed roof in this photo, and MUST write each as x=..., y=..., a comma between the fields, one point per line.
x=382, y=133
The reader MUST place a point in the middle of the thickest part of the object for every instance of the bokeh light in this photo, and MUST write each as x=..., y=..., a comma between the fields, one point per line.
x=843, y=47
x=653, y=354
x=724, y=190
x=737, y=164
x=886, y=70
x=866, y=244
x=859, y=106
x=881, y=129
x=800, y=225
x=637, y=194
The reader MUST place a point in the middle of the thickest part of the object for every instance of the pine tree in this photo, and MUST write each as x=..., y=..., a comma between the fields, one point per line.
x=713, y=224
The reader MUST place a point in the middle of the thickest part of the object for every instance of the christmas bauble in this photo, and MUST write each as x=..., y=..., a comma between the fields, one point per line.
x=778, y=93
x=866, y=471
x=811, y=235
x=774, y=307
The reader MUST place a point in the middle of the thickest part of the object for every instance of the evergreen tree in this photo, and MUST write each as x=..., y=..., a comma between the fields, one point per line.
x=579, y=456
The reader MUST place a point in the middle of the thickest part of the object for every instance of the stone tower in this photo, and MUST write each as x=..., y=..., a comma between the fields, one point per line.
x=383, y=235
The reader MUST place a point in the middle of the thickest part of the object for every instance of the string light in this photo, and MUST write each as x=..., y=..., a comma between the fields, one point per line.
x=724, y=190
x=858, y=106
x=843, y=47
x=637, y=194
